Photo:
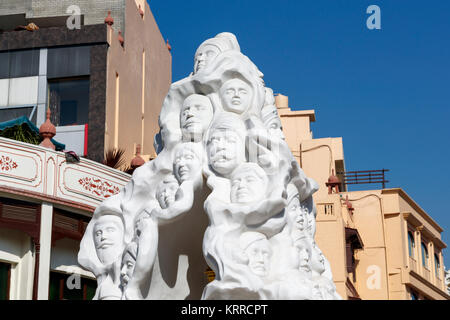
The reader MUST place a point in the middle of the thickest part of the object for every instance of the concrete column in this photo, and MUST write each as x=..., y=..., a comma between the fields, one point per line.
x=405, y=241
x=441, y=270
x=42, y=88
x=431, y=263
x=419, y=251
x=45, y=251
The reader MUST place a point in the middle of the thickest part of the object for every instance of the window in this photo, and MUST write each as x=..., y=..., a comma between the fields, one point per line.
x=67, y=62
x=21, y=63
x=58, y=289
x=14, y=113
x=437, y=265
x=5, y=275
x=414, y=295
x=424, y=255
x=411, y=244
x=69, y=101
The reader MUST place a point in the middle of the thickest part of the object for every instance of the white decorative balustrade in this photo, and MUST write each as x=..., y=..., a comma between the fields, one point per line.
x=39, y=172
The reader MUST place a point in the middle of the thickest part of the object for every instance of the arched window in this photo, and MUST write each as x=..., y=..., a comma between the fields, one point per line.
x=411, y=244
x=424, y=255
x=437, y=265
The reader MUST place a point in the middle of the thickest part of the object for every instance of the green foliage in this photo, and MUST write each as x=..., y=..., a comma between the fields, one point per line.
x=21, y=133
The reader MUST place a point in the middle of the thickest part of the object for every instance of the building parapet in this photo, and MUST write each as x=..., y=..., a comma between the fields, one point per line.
x=30, y=171
x=52, y=37
x=418, y=282
x=414, y=205
x=299, y=113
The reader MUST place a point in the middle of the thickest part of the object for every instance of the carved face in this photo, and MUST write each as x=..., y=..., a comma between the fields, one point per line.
x=236, y=96
x=259, y=253
x=195, y=117
x=247, y=187
x=226, y=150
x=166, y=192
x=108, y=238
x=304, y=255
x=274, y=127
x=317, y=261
x=204, y=55
x=311, y=224
x=187, y=165
x=297, y=218
x=128, y=264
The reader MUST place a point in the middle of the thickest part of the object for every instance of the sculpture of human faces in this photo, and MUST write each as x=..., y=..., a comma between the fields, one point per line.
x=187, y=165
x=236, y=96
x=108, y=238
x=297, y=217
x=139, y=224
x=275, y=128
x=259, y=253
x=317, y=260
x=165, y=193
x=311, y=224
x=195, y=116
x=226, y=150
x=204, y=55
x=304, y=254
x=248, y=184
x=128, y=264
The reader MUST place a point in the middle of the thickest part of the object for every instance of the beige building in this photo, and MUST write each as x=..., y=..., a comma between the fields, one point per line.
x=380, y=243
x=139, y=75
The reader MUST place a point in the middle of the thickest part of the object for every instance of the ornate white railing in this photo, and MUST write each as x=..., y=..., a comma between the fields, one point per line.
x=37, y=171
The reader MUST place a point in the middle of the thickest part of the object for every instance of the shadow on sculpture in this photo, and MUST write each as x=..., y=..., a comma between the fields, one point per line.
x=224, y=192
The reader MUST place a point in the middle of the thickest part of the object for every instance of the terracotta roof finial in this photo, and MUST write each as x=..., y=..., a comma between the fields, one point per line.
x=169, y=47
x=121, y=40
x=109, y=20
x=349, y=205
x=47, y=131
x=137, y=160
x=333, y=182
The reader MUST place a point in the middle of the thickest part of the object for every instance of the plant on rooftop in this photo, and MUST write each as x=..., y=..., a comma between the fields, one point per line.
x=21, y=133
x=114, y=158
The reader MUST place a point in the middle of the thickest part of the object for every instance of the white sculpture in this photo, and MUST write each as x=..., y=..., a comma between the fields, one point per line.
x=252, y=222
x=195, y=116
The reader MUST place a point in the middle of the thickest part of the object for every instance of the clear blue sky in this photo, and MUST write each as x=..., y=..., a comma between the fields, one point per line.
x=386, y=92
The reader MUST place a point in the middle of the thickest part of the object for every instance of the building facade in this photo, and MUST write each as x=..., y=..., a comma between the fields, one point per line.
x=104, y=91
x=92, y=12
x=380, y=243
x=89, y=77
x=45, y=205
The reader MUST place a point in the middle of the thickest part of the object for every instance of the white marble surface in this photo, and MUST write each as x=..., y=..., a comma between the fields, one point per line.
x=224, y=191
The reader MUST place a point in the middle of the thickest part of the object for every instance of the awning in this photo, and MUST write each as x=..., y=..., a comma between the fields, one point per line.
x=24, y=120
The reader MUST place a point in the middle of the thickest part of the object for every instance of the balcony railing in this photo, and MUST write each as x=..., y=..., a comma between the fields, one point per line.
x=36, y=171
x=364, y=177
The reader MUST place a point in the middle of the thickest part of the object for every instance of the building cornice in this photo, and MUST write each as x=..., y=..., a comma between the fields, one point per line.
x=413, y=204
x=428, y=284
x=285, y=112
